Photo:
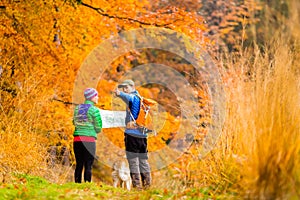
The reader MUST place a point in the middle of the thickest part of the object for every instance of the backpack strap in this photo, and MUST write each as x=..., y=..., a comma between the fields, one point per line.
x=132, y=116
x=146, y=108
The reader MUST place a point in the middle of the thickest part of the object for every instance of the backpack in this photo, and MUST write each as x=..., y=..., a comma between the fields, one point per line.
x=82, y=113
x=144, y=119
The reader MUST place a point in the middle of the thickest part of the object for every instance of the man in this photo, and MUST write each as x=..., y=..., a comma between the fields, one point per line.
x=88, y=124
x=135, y=140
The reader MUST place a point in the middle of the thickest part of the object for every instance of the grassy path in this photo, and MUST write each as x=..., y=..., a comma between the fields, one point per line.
x=29, y=187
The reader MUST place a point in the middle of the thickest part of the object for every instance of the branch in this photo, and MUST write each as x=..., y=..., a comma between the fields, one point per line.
x=75, y=104
x=101, y=12
x=64, y=102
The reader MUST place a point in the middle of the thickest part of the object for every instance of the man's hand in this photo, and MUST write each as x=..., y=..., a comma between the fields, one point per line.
x=117, y=92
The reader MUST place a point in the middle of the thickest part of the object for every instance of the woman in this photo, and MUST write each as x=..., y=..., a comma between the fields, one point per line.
x=88, y=123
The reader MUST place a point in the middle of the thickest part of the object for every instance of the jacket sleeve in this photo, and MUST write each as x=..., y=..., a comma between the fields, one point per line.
x=97, y=120
x=126, y=97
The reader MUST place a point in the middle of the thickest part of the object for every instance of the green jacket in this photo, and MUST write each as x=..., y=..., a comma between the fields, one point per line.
x=87, y=120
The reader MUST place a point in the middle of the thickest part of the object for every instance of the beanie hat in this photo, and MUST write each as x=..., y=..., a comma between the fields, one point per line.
x=90, y=93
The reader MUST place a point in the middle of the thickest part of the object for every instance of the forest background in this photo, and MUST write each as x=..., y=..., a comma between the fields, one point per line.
x=254, y=45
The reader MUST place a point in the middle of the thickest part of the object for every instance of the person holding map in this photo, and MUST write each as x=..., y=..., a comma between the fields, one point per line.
x=88, y=123
x=135, y=140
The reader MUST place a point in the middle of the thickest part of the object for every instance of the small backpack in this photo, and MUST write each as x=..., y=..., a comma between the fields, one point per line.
x=144, y=119
x=82, y=113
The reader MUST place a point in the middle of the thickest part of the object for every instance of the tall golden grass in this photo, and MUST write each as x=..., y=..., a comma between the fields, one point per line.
x=24, y=138
x=262, y=129
x=22, y=150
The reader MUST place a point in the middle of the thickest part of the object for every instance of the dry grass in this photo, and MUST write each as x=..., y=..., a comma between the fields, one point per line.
x=263, y=123
x=257, y=156
x=22, y=149
x=24, y=139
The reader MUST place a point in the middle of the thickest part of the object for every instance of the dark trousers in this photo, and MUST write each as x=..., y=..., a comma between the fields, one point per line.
x=84, y=155
x=136, y=147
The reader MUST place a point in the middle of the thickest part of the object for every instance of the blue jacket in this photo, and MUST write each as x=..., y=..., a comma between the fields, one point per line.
x=133, y=103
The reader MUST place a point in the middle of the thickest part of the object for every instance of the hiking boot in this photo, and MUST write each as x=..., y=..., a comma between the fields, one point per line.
x=136, y=182
x=146, y=180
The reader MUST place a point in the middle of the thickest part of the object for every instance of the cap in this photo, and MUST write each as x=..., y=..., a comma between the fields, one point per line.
x=126, y=82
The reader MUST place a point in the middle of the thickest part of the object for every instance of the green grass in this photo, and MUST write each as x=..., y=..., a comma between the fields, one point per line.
x=32, y=187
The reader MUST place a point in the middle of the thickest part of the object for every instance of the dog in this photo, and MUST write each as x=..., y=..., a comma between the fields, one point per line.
x=121, y=174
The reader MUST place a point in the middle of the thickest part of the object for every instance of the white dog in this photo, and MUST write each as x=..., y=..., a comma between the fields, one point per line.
x=121, y=174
